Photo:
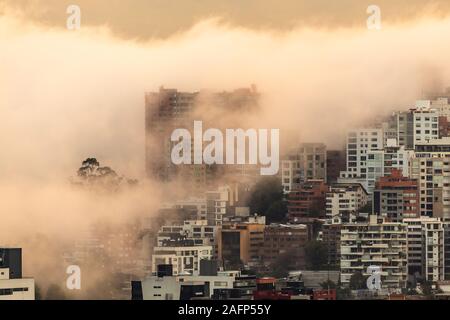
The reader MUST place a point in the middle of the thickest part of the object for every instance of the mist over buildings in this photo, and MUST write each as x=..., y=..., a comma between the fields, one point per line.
x=66, y=96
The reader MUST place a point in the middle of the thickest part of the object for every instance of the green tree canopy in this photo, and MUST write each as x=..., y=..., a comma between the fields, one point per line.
x=266, y=198
x=91, y=174
x=358, y=281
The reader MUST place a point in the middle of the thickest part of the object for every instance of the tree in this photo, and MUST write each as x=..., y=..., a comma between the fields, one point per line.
x=358, y=281
x=367, y=208
x=266, y=198
x=427, y=289
x=93, y=175
x=282, y=265
x=316, y=255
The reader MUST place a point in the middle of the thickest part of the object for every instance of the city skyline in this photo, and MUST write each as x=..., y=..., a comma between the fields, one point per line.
x=355, y=97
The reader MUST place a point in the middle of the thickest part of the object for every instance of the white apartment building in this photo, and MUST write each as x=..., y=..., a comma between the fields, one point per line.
x=197, y=231
x=291, y=175
x=419, y=124
x=425, y=122
x=359, y=143
x=12, y=285
x=222, y=202
x=169, y=287
x=217, y=203
x=426, y=247
x=434, y=250
x=381, y=162
x=375, y=243
x=345, y=198
x=184, y=259
x=15, y=289
x=377, y=163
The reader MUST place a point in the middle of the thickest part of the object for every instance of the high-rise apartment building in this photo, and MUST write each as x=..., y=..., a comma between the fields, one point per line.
x=226, y=201
x=418, y=124
x=380, y=162
x=396, y=197
x=433, y=175
x=345, y=198
x=331, y=237
x=170, y=109
x=375, y=243
x=425, y=123
x=308, y=201
x=241, y=243
x=165, y=111
x=426, y=248
x=359, y=143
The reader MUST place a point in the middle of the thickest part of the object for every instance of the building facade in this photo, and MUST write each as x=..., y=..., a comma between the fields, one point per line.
x=12, y=285
x=345, y=198
x=396, y=197
x=377, y=242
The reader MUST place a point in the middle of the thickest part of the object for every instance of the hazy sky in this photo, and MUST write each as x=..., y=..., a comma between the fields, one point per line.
x=160, y=18
x=70, y=95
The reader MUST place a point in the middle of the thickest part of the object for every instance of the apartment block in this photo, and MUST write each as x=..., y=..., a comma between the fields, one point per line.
x=196, y=231
x=426, y=248
x=308, y=201
x=185, y=259
x=425, y=122
x=285, y=240
x=240, y=243
x=169, y=109
x=345, y=198
x=375, y=243
x=166, y=285
x=226, y=201
x=418, y=124
x=359, y=143
x=433, y=175
x=331, y=237
x=164, y=111
x=396, y=197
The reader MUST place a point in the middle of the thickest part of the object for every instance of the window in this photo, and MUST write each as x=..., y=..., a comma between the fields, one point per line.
x=6, y=292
